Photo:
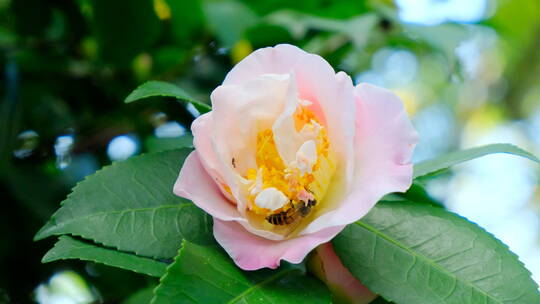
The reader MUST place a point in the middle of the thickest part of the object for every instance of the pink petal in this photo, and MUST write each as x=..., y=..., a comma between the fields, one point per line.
x=202, y=140
x=241, y=111
x=385, y=140
x=251, y=252
x=335, y=95
x=270, y=60
x=195, y=184
x=327, y=266
x=383, y=146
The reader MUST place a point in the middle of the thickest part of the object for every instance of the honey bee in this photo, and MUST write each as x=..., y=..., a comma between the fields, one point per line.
x=301, y=209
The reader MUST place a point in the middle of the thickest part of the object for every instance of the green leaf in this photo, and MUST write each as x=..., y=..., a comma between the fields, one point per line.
x=298, y=24
x=443, y=162
x=332, y=9
x=219, y=15
x=187, y=20
x=124, y=28
x=444, y=38
x=264, y=34
x=159, y=88
x=415, y=253
x=130, y=206
x=206, y=274
x=418, y=194
x=158, y=144
x=70, y=248
x=143, y=296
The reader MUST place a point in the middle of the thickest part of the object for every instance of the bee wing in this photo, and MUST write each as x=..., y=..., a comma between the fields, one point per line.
x=296, y=217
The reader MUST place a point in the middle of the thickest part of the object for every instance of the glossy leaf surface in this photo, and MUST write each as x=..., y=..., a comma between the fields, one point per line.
x=416, y=253
x=206, y=274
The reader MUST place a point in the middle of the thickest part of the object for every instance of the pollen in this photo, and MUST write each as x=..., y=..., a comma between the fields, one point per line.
x=274, y=183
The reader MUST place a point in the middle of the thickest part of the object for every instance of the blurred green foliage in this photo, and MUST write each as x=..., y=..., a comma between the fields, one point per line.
x=67, y=67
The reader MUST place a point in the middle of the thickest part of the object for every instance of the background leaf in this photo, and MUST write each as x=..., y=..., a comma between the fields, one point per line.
x=158, y=144
x=118, y=26
x=216, y=279
x=143, y=296
x=219, y=15
x=187, y=20
x=415, y=253
x=443, y=162
x=160, y=88
x=70, y=248
x=443, y=38
x=130, y=206
x=357, y=29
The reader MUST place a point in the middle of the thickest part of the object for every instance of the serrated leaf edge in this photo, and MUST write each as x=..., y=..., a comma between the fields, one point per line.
x=417, y=255
x=201, y=107
x=98, y=172
x=45, y=260
x=523, y=153
x=136, y=252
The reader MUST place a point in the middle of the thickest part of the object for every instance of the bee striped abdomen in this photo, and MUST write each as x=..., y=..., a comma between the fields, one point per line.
x=282, y=218
x=300, y=209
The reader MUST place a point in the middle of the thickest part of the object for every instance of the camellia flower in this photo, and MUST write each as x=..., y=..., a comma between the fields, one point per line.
x=291, y=153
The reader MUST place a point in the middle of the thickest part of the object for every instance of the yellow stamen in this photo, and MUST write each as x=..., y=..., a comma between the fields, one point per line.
x=272, y=172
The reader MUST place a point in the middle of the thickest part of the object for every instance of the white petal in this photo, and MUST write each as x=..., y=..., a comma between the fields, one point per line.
x=305, y=103
x=271, y=198
x=239, y=112
x=257, y=186
x=306, y=156
x=287, y=139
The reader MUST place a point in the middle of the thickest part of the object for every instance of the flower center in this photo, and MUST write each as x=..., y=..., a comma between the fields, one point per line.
x=285, y=193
